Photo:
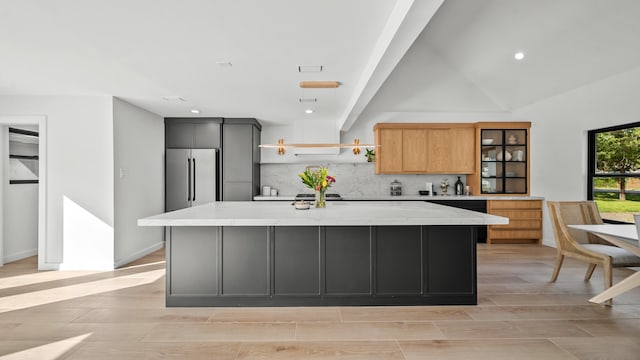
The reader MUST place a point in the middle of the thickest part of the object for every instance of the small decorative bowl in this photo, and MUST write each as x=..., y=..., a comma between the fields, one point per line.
x=423, y=192
x=301, y=205
x=487, y=141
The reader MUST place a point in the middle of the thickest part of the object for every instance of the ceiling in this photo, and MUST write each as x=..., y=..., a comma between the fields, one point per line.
x=389, y=55
x=144, y=50
x=464, y=59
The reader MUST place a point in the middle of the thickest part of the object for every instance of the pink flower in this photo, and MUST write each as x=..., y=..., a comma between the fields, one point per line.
x=318, y=188
x=331, y=179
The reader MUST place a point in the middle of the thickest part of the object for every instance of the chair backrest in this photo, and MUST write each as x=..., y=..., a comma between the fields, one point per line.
x=565, y=213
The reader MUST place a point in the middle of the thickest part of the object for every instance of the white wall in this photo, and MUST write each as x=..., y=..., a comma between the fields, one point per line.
x=79, y=168
x=559, y=134
x=138, y=178
x=20, y=207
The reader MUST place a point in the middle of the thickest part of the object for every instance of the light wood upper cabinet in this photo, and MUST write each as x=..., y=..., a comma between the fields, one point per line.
x=425, y=148
x=414, y=150
x=464, y=148
x=390, y=141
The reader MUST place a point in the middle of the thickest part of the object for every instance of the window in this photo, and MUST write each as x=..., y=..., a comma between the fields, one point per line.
x=614, y=171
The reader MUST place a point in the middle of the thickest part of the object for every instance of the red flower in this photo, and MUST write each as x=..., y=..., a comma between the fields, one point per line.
x=331, y=179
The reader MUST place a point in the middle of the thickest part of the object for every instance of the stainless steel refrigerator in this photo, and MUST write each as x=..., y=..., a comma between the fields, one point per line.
x=190, y=177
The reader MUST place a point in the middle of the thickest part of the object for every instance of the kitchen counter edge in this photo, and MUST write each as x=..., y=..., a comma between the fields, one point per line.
x=405, y=197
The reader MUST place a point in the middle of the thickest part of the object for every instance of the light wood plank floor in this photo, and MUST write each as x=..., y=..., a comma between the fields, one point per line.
x=121, y=315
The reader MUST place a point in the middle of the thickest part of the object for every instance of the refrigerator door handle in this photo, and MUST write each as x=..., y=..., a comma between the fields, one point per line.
x=189, y=179
x=194, y=180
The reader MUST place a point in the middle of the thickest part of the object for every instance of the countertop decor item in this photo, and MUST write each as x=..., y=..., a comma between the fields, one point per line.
x=318, y=179
x=301, y=205
x=459, y=187
x=396, y=188
x=444, y=185
x=371, y=155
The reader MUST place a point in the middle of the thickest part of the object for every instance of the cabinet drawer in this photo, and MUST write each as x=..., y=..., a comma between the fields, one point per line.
x=514, y=204
x=520, y=225
x=518, y=214
x=514, y=234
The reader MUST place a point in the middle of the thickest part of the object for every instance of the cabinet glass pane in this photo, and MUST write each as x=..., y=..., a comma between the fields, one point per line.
x=490, y=185
x=492, y=137
x=515, y=169
x=516, y=153
x=491, y=169
x=515, y=186
x=515, y=137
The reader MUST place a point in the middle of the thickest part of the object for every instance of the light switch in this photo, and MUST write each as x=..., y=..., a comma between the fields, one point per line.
x=123, y=172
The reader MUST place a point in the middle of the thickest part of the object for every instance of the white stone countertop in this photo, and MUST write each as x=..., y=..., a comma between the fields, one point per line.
x=347, y=213
x=405, y=197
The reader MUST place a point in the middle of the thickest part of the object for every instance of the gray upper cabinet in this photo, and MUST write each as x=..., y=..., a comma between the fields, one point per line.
x=206, y=135
x=238, y=152
x=240, y=159
x=178, y=135
x=200, y=133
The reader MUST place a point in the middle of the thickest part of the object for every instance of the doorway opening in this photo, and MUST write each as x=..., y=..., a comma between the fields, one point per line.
x=23, y=189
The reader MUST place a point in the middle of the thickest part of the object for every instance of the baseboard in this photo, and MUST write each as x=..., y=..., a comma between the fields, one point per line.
x=142, y=253
x=19, y=256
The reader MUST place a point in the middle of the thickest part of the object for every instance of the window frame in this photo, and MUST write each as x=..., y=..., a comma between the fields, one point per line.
x=591, y=161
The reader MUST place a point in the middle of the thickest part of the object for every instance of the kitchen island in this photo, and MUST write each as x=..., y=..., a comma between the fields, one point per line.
x=349, y=253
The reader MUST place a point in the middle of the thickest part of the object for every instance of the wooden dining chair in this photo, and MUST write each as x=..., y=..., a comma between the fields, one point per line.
x=584, y=246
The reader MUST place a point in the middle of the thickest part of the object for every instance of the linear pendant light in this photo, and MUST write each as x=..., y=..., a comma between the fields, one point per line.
x=319, y=84
x=281, y=146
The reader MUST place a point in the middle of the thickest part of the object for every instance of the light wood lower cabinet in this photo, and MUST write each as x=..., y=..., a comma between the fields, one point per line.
x=525, y=221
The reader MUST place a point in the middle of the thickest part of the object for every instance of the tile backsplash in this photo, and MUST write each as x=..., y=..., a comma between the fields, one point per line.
x=352, y=179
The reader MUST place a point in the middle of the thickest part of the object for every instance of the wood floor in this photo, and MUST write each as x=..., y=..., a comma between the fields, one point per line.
x=121, y=315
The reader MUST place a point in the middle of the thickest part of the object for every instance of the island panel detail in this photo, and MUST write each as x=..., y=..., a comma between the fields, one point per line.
x=348, y=251
x=321, y=265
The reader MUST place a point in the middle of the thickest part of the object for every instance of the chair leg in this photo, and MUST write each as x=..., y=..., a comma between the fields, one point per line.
x=590, y=269
x=556, y=269
x=608, y=279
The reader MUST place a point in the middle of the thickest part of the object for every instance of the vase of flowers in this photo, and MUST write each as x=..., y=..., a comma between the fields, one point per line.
x=318, y=179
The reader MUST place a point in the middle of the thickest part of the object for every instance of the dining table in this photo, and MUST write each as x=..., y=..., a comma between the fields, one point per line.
x=624, y=236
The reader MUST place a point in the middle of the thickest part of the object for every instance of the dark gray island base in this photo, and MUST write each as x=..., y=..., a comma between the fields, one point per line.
x=321, y=265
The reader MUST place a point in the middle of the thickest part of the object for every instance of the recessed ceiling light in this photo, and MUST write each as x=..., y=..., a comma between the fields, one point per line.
x=172, y=98
x=309, y=111
x=309, y=68
x=195, y=111
x=519, y=55
x=308, y=100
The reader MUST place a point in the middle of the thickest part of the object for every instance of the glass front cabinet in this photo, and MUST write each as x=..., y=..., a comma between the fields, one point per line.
x=504, y=154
